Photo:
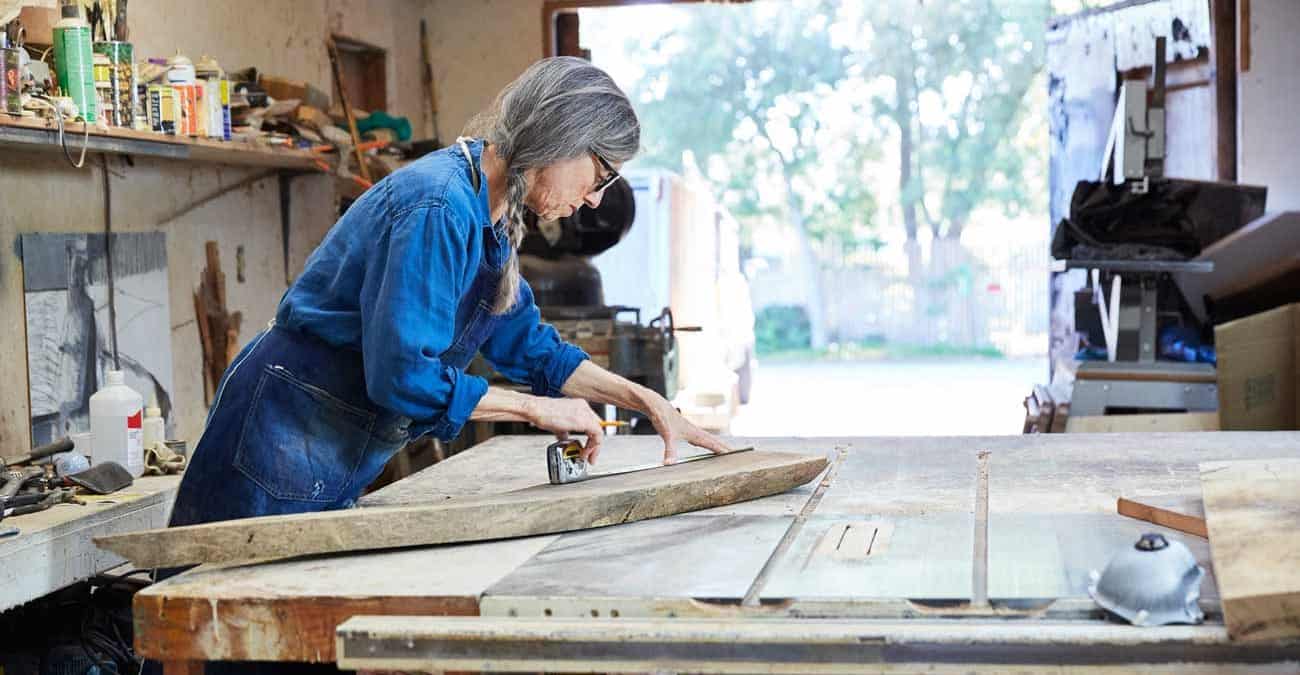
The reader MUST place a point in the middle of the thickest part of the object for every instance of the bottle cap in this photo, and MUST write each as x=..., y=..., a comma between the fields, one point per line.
x=114, y=377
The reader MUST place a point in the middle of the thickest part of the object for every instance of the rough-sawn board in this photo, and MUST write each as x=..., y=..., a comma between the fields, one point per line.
x=541, y=509
x=1252, y=510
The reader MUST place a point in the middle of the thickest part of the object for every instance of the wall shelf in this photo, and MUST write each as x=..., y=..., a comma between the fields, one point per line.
x=21, y=133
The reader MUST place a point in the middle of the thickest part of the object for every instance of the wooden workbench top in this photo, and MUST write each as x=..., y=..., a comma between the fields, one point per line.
x=891, y=531
x=54, y=547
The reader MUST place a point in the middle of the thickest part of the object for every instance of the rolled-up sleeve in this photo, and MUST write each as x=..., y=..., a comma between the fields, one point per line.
x=408, y=307
x=530, y=352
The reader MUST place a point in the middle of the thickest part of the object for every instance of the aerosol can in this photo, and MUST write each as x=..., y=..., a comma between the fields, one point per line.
x=73, y=60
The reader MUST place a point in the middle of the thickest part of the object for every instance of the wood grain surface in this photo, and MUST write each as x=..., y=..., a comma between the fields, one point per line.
x=1252, y=509
x=541, y=509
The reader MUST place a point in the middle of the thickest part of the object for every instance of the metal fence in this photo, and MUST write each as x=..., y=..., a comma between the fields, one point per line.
x=959, y=296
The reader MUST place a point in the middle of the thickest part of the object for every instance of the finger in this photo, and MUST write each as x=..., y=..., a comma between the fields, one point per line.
x=711, y=443
x=670, y=450
x=561, y=435
x=592, y=448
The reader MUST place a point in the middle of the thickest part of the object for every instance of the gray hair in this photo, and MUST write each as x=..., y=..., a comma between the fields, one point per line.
x=559, y=109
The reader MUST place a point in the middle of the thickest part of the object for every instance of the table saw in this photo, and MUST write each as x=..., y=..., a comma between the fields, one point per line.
x=956, y=552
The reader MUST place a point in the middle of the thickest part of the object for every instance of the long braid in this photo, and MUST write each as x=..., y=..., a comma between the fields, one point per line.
x=515, y=228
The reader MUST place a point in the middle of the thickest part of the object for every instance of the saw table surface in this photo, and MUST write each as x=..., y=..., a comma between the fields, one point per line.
x=975, y=530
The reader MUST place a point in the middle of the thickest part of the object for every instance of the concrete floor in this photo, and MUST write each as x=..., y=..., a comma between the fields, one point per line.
x=933, y=397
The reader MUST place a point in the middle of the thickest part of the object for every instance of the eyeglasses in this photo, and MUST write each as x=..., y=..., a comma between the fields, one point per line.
x=609, y=178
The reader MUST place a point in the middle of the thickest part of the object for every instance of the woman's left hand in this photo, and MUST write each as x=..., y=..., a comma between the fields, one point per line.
x=673, y=427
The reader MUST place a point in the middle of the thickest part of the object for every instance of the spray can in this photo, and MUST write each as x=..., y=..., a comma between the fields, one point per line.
x=103, y=86
x=73, y=62
x=122, y=85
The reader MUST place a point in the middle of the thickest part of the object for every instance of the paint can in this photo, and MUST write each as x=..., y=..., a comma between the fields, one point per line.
x=73, y=63
x=225, y=109
x=162, y=109
x=103, y=86
x=122, y=85
x=189, y=96
x=11, y=85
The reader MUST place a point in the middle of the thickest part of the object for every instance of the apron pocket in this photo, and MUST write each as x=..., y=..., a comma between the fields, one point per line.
x=299, y=442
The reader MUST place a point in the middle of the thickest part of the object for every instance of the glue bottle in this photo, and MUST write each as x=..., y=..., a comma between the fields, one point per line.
x=116, y=424
x=155, y=428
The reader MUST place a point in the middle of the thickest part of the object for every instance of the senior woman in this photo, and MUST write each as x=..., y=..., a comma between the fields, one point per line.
x=369, y=346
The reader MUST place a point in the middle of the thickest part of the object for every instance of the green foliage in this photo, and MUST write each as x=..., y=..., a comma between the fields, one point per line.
x=808, y=111
x=744, y=90
x=780, y=328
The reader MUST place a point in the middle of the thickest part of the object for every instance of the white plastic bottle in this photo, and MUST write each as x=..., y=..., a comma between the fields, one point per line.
x=116, y=424
x=155, y=427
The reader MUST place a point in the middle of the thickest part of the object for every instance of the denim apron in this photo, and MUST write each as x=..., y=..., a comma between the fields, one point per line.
x=292, y=429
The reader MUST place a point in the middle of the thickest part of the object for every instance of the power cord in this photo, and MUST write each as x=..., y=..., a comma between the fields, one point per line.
x=63, y=141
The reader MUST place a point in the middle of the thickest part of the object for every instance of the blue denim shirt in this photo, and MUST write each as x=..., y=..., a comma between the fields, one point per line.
x=408, y=277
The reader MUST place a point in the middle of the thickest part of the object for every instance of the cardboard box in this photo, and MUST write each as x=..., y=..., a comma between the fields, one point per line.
x=1258, y=370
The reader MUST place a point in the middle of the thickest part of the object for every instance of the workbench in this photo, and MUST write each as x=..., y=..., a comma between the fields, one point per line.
x=906, y=551
x=55, y=549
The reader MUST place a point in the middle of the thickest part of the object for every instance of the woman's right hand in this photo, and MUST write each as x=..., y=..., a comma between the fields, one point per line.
x=561, y=416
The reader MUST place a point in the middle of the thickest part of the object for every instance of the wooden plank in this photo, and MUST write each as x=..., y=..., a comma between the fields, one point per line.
x=433, y=644
x=34, y=134
x=518, y=461
x=542, y=509
x=288, y=610
x=1110, y=424
x=1252, y=509
x=1223, y=56
x=1182, y=513
x=53, y=549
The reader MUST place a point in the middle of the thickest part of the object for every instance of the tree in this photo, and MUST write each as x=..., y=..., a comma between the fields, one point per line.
x=959, y=73
x=789, y=108
x=744, y=90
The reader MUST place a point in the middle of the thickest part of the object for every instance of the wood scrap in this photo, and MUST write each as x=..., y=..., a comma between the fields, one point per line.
x=541, y=509
x=312, y=117
x=282, y=88
x=1252, y=513
x=218, y=328
x=1110, y=424
x=1185, y=514
x=347, y=108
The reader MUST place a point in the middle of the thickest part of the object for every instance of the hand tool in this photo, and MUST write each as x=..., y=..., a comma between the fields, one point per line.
x=62, y=445
x=564, y=463
x=13, y=481
x=33, y=503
